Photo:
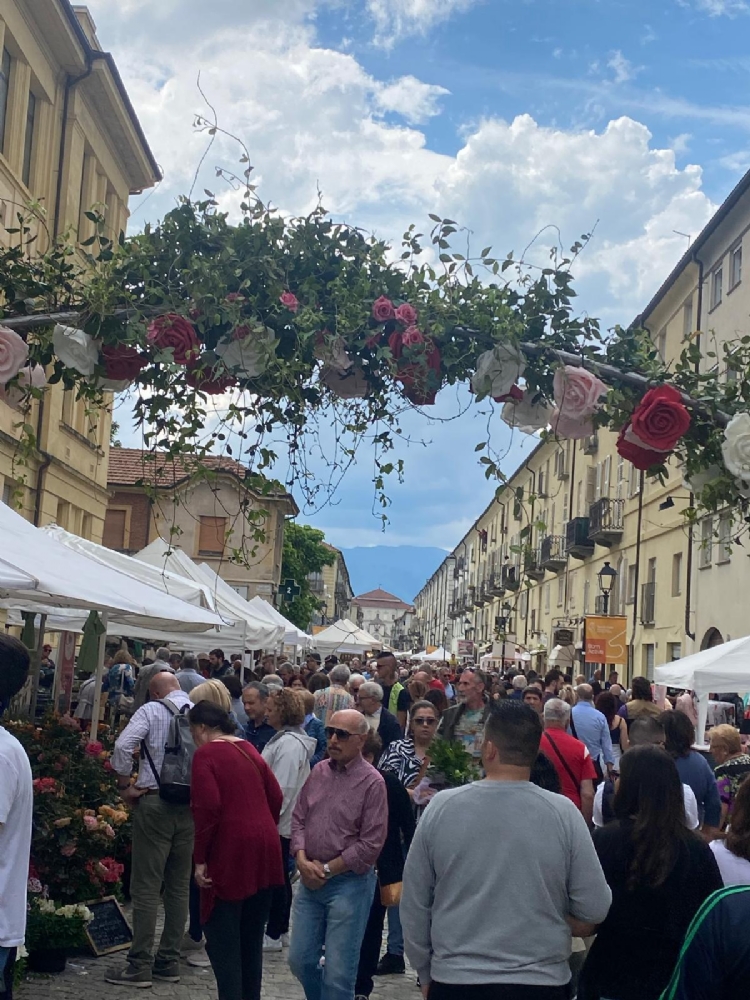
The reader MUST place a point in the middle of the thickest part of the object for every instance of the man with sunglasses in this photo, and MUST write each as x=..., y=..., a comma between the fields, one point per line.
x=339, y=826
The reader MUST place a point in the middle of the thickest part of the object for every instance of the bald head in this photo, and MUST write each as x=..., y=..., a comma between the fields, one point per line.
x=162, y=684
x=349, y=719
x=585, y=692
x=346, y=732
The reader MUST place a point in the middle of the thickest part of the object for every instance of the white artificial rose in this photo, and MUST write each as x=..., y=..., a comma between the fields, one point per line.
x=736, y=446
x=699, y=480
x=350, y=384
x=250, y=351
x=332, y=353
x=76, y=349
x=526, y=415
x=498, y=371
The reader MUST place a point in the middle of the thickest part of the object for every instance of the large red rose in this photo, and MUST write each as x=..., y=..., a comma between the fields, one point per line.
x=176, y=332
x=660, y=419
x=642, y=458
x=121, y=361
x=206, y=378
x=422, y=381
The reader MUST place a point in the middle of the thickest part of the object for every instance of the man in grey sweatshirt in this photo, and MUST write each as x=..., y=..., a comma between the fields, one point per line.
x=500, y=874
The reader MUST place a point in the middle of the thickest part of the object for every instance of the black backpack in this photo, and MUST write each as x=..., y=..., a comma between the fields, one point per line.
x=174, y=778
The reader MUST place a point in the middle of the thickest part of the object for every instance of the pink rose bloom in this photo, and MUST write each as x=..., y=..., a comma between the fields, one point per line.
x=90, y=822
x=94, y=749
x=289, y=301
x=109, y=831
x=14, y=354
x=570, y=429
x=236, y=297
x=68, y=850
x=406, y=314
x=577, y=393
x=411, y=337
x=382, y=309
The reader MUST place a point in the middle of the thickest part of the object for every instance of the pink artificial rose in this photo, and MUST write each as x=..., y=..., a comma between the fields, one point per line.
x=236, y=297
x=14, y=354
x=382, y=309
x=69, y=849
x=90, y=822
x=412, y=336
x=289, y=301
x=577, y=393
x=570, y=429
x=94, y=749
x=406, y=314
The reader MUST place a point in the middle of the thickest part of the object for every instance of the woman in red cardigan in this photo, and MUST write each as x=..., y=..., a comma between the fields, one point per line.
x=236, y=802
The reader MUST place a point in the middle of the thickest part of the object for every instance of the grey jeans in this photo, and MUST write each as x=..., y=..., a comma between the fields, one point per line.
x=162, y=855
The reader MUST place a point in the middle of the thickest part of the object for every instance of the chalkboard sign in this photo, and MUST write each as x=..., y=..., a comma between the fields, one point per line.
x=109, y=930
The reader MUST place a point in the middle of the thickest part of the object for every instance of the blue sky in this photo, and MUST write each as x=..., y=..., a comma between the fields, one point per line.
x=508, y=116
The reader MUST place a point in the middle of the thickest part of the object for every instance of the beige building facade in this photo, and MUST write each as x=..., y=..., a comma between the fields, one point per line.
x=69, y=141
x=333, y=589
x=529, y=565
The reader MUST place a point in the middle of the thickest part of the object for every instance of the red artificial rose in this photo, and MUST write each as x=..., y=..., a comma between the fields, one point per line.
x=514, y=396
x=422, y=381
x=121, y=361
x=176, y=332
x=206, y=378
x=660, y=419
x=642, y=458
x=406, y=314
x=382, y=309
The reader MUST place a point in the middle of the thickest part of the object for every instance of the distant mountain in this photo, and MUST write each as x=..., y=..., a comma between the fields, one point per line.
x=400, y=569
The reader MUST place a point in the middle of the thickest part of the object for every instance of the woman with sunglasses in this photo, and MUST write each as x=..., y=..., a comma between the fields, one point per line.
x=406, y=758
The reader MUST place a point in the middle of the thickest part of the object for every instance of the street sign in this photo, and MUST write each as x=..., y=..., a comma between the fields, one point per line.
x=289, y=590
x=606, y=639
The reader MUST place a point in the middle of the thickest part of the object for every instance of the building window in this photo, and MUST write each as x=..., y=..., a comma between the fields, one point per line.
x=586, y=597
x=4, y=90
x=735, y=267
x=687, y=319
x=716, y=282
x=212, y=536
x=676, y=574
x=725, y=539
x=674, y=651
x=242, y=590
x=631, y=584
x=28, y=140
x=648, y=660
x=661, y=343
x=115, y=529
x=7, y=492
x=560, y=590
x=86, y=525
x=547, y=596
x=63, y=514
x=707, y=542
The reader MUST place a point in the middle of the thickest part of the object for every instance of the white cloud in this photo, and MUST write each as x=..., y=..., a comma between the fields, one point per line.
x=397, y=19
x=622, y=69
x=409, y=97
x=720, y=8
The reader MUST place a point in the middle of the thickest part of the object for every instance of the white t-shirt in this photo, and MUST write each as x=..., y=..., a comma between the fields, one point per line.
x=16, y=804
x=691, y=807
x=734, y=870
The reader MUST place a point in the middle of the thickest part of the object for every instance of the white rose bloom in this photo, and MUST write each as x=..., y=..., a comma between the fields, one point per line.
x=736, y=446
x=526, y=415
x=333, y=354
x=498, y=371
x=76, y=349
x=697, y=482
x=250, y=356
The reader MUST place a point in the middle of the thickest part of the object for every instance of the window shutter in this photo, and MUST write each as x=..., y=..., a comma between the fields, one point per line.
x=114, y=530
x=592, y=484
x=212, y=536
x=606, y=475
x=620, y=478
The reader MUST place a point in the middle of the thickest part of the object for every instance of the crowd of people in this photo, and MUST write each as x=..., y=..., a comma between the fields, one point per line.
x=599, y=855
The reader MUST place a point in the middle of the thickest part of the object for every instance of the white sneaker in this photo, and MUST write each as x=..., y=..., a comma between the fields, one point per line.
x=188, y=945
x=285, y=940
x=270, y=945
x=199, y=959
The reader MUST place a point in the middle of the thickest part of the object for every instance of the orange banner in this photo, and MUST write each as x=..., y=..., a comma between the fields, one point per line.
x=606, y=639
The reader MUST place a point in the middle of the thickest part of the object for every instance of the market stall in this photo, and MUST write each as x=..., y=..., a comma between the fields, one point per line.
x=346, y=638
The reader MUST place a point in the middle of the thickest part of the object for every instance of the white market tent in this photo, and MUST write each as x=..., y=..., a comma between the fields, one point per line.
x=434, y=657
x=293, y=636
x=244, y=628
x=720, y=668
x=344, y=637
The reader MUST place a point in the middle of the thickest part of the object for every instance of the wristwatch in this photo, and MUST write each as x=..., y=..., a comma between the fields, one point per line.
x=327, y=870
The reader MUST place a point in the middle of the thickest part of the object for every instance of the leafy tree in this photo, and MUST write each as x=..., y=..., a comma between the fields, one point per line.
x=304, y=553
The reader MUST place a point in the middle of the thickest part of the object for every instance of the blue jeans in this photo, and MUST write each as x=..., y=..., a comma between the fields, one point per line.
x=395, y=934
x=333, y=918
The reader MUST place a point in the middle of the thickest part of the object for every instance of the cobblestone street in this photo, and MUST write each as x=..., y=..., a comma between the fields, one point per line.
x=83, y=979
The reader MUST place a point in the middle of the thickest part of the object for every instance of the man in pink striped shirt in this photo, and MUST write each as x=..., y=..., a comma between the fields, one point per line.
x=339, y=827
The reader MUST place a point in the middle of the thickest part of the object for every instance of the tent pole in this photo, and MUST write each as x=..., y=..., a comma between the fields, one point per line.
x=700, y=731
x=93, y=732
x=36, y=667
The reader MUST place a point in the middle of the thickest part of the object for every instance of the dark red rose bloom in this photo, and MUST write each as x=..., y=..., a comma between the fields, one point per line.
x=207, y=378
x=121, y=361
x=660, y=419
x=176, y=332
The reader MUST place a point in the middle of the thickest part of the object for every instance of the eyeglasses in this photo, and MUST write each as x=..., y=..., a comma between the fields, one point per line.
x=425, y=722
x=340, y=734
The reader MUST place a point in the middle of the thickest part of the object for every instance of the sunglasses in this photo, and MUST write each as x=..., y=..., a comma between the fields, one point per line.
x=425, y=722
x=340, y=734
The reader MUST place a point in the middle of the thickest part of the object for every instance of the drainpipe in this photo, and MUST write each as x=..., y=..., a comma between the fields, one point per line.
x=691, y=528
x=41, y=475
x=70, y=84
x=637, y=575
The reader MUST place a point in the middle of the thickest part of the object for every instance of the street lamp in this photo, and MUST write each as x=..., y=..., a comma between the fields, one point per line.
x=607, y=577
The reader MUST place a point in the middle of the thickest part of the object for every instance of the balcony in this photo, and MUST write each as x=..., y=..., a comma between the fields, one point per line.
x=495, y=587
x=455, y=609
x=480, y=596
x=606, y=521
x=648, y=604
x=511, y=577
x=577, y=541
x=553, y=554
x=532, y=565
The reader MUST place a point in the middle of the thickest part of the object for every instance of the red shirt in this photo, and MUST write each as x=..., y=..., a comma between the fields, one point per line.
x=437, y=685
x=580, y=766
x=236, y=805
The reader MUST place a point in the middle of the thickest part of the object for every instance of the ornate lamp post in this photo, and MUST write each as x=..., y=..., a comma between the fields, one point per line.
x=607, y=577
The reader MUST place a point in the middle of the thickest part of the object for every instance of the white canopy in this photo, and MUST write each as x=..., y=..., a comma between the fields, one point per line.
x=435, y=656
x=293, y=636
x=720, y=668
x=244, y=628
x=50, y=576
x=344, y=637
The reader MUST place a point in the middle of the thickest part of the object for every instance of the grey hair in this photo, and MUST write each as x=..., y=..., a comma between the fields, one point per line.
x=519, y=682
x=190, y=662
x=557, y=710
x=273, y=682
x=585, y=692
x=371, y=690
x=162, y=653
x=340, y=675
x=262, y=689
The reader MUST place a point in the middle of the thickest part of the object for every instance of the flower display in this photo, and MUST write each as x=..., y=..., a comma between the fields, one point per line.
x=527, y=414
x=412, y=336
x=382, y=310
x=45, y=786
x=250, y=351
x=498, y=371
x=660, y=419
x=76, y=349
x=122, y=362
x=211, y=378
x=106, y=870
x=569, y=429
x=94, y=749
x=735, y=448
x=421, y=378
x=332, y=352
x=174, y=333
x=577, y=393
x=289, y=301
x=348, y=384
x=14, y=354
x=406, y=314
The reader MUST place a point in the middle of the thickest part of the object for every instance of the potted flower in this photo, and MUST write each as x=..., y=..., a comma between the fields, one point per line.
x=451, y=765
x=52, y=931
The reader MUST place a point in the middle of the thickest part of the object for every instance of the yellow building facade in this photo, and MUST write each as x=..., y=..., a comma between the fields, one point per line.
x=530, y=564
x=69, y=141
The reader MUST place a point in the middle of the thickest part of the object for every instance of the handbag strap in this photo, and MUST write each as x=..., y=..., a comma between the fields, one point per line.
x=246, y=755
x=562, y=760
